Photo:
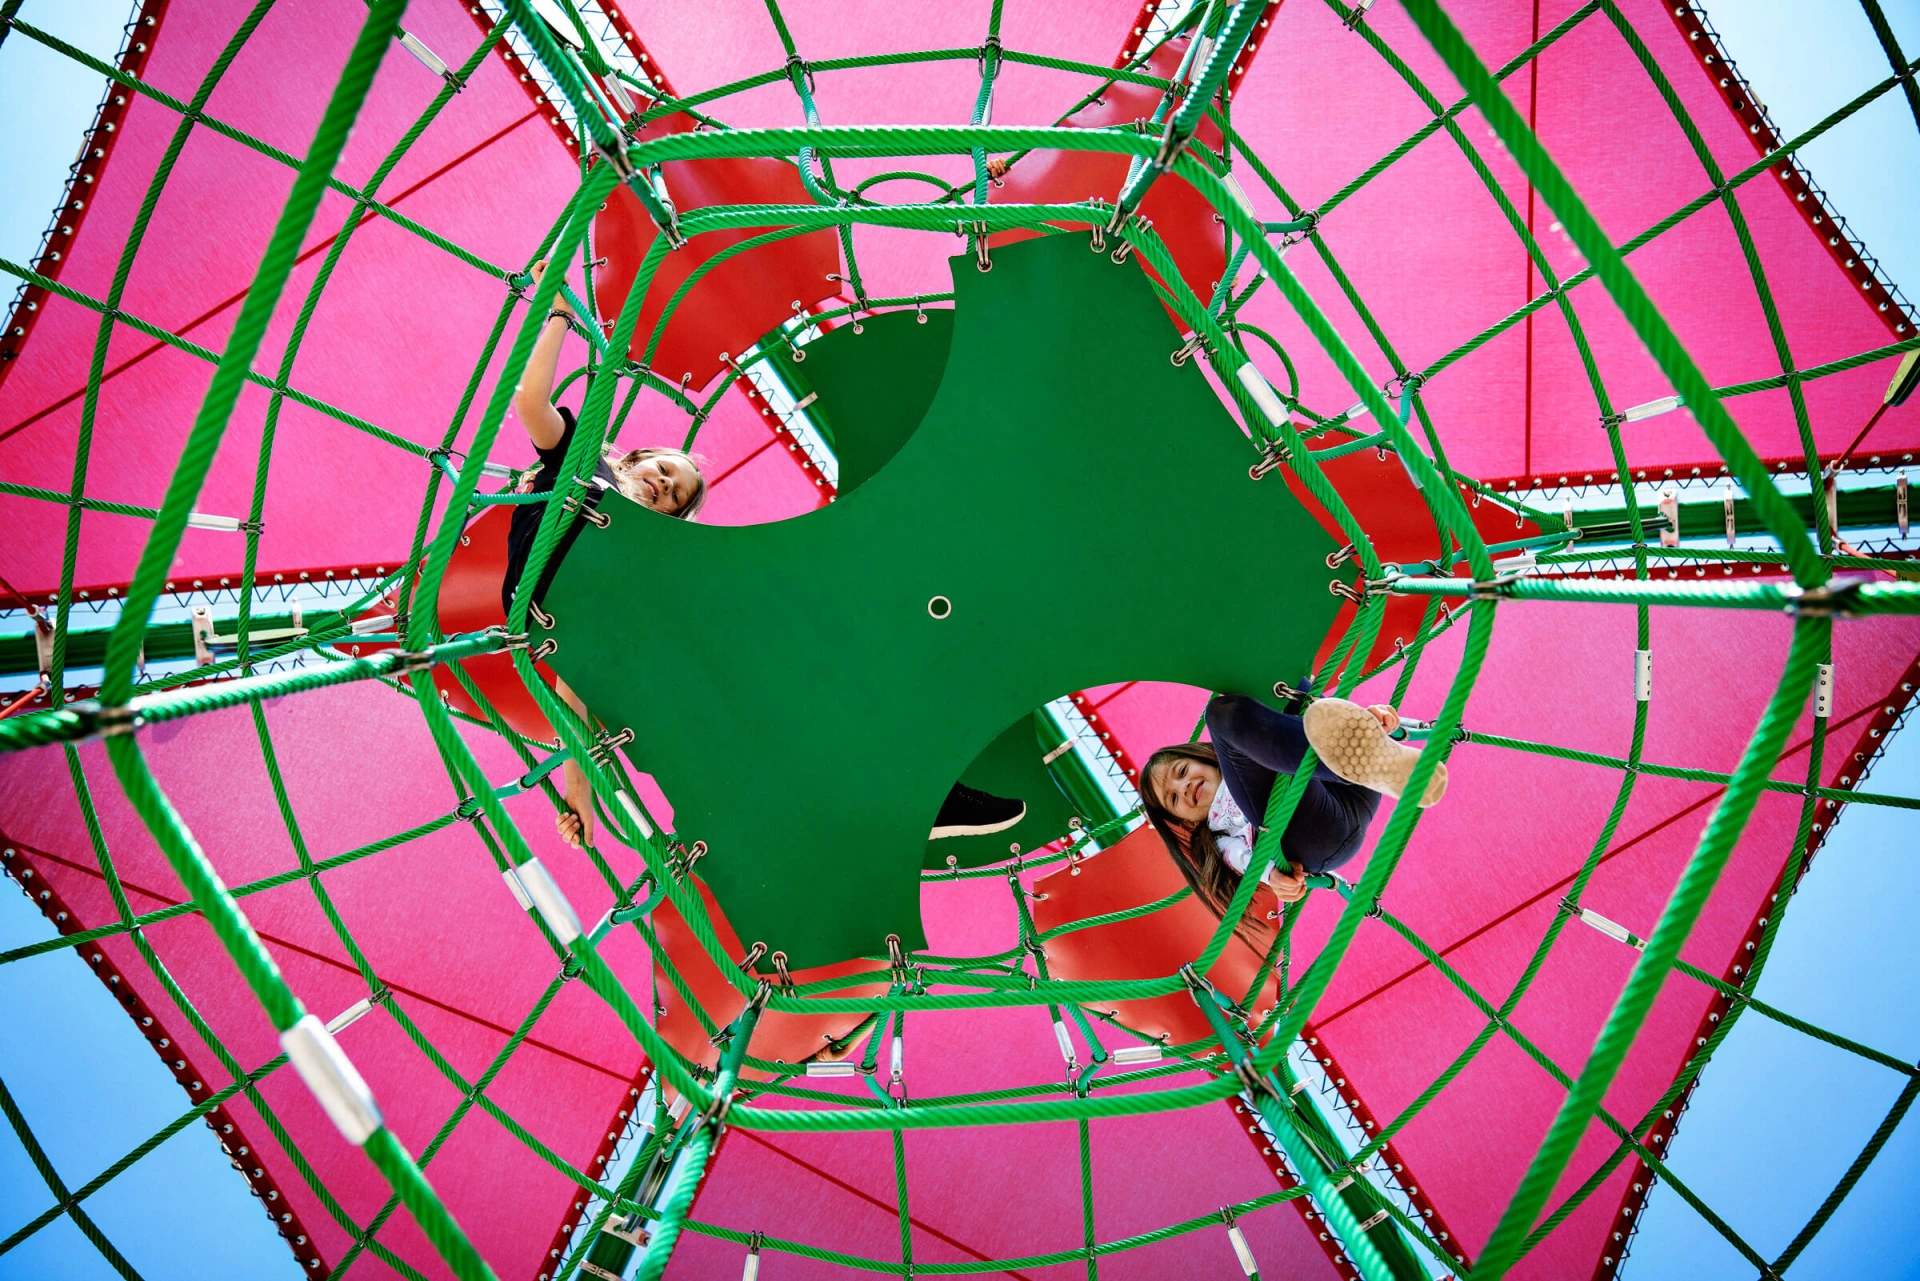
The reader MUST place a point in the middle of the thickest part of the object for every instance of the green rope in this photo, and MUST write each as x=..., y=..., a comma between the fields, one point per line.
x=950, y=983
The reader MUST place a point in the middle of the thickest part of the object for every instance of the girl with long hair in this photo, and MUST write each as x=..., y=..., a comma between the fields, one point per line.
x=1206, y=800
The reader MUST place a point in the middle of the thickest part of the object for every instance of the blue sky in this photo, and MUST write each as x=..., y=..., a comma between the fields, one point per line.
x=1778, y=1117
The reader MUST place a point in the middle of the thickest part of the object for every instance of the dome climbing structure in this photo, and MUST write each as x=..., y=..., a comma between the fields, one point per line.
x=1050, y=367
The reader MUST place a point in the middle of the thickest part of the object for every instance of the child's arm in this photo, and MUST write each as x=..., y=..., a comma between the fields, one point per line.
x=576, y=825
x=533, y=398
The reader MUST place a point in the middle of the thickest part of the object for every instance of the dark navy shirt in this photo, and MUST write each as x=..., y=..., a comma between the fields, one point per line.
x=526, y=517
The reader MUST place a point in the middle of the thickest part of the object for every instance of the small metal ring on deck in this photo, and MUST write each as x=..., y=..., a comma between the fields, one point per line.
x=939, y=607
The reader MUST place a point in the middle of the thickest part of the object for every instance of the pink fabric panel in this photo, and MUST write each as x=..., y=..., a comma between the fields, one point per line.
x=1422, y=243
x=431, y=918
x=393, y=339
x=1483, y=876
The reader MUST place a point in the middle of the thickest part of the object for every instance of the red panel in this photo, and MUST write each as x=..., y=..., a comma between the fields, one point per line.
x=1180, y=215
x=792, y=1037
x=1381, y=496
x=1132, y=873
x=739, y=301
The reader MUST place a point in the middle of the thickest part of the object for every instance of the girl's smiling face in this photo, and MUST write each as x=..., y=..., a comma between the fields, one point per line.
x=1185, y=788
x=663, y=482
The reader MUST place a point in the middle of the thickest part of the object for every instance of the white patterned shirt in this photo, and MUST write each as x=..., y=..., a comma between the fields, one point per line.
x=1232, y=833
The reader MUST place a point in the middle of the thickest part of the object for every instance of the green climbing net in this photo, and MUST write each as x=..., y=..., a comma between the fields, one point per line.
x=1244, y=1057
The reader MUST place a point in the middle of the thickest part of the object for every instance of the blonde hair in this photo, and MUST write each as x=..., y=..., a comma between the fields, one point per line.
x=624, y=463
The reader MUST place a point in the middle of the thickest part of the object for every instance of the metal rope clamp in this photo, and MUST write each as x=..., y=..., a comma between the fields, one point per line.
x=680, y=859
x=1309, y=216
x=896, y=959
x=1141, y=225
x=1099, y=244
x=981, y=255
x=798, y=71
x=601, y=753
x=1401, y=384
x=1347, y=591
x=1491, y=588
x=622, y=163
x=1295, y=700
x=990, y=49
x=1828, y=601
x=1271, y=457
x=1195, y=342
x=574, y=505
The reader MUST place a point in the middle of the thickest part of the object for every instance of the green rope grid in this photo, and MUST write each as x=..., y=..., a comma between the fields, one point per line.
x=119, y=710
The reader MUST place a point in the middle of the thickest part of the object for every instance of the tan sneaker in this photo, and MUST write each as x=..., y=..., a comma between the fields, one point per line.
x=1353, y=743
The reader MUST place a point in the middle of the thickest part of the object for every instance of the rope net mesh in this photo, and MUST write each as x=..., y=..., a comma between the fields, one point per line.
x=496, y=1058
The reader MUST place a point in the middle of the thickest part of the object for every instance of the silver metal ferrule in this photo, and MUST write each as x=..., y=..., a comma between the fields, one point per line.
x=330, y=1074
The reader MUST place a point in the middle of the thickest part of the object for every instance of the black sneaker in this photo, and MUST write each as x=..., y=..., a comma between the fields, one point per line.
x=969, y=812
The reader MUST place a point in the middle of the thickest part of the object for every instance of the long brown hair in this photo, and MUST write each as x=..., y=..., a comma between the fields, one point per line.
x=1194, y=850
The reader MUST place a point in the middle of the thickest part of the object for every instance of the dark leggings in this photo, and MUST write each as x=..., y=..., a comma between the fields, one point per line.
x=1257, y=746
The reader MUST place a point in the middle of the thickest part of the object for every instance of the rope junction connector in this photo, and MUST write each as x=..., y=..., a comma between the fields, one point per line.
x=715, y=1113
x=575, y=506
x=990, y=49
x=690, y=857
x=1826, y=601
x=1271, y=457
x=1402, y=384
x=799, y=72
x=1303, y=226
x=1141, y=225
x=601, y=753
x=1196, y=341
x=982, y=257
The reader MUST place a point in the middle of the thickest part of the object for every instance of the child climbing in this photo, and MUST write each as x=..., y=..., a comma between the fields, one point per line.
x=1206, y=826
x=667, y=481
x=664, y=480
